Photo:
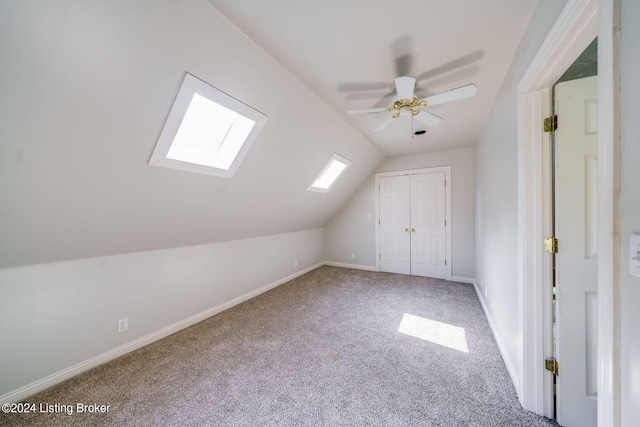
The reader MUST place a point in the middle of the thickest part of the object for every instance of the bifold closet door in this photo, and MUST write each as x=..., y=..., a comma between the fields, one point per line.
x=395, y=218
x=428, y=239
x=412, y=224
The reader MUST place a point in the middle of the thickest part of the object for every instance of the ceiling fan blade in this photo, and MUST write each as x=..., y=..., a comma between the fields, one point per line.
x=353, y=87
x=367, y=110
x=452, y=95
x=444, y=69
x=401, y=50
x=405, y=86
x=427, y=118
x=383, y=124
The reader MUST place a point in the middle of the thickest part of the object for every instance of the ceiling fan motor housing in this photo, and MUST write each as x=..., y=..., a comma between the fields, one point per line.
x=406, y=106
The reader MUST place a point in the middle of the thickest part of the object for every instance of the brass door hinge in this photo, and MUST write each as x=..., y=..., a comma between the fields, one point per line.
x=551, y=245
x=551, y=123
x=551, y=365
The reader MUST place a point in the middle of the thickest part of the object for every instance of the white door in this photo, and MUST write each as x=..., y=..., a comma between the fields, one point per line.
x=395, y=219
x=412, y=224
x=428, y=241
x=576, y=148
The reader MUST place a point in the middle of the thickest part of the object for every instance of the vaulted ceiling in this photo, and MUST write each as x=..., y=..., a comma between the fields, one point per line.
x=350, y=52
x=86, y=86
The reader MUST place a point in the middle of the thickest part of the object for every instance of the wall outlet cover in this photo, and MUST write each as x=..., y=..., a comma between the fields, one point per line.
x=123, y=325
x=634, y=254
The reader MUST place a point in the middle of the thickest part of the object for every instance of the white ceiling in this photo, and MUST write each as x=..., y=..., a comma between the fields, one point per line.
x=349, y=53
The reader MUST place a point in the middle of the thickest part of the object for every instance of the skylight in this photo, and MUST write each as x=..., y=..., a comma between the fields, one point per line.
x=329, y=174
x=208, y=142
x=207, y=131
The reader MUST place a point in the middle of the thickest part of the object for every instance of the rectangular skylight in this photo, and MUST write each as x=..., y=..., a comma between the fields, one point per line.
x=329, y=174
x=207, y=142
x=207, y=131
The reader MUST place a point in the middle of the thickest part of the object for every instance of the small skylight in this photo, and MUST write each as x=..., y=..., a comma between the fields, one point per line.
x=329, y=174
x=207, y=131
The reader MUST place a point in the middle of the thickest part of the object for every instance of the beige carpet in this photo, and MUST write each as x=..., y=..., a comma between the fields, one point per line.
x=335, y=347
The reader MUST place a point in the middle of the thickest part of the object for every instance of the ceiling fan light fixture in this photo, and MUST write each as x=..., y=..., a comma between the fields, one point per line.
x=407, y=105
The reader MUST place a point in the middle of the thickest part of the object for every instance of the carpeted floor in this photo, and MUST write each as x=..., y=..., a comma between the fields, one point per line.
x=322, y=350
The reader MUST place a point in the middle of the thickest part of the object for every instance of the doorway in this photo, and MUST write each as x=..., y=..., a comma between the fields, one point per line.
x=413, y=222
x=577, y=25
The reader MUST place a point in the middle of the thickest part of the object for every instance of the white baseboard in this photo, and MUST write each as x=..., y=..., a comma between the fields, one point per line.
x=344, y=265
x=513, y=373
x=461, y=279
x=58, y=377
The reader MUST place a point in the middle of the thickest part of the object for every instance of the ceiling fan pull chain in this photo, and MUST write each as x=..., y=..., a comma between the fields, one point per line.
x=412, y=134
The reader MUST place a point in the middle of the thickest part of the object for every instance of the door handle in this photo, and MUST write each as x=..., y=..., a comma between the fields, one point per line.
x=413, y=230
x=406, y=229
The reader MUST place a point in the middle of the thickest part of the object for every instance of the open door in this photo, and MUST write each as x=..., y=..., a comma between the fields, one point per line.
x=575, y=217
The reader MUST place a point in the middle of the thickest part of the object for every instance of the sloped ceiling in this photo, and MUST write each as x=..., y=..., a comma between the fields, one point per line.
x=85, y=88
x=350, y=52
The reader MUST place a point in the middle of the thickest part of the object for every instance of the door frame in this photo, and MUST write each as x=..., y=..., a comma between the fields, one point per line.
x=577, y=25
x=447, y=193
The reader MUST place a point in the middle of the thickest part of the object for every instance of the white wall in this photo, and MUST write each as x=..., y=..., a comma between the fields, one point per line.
x=350, y=230
x=85, y=89
x=630, y=212
x=58, y=315
x=496, y=203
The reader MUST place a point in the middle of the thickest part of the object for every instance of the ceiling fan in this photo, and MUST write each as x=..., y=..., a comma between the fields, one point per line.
x=406, y=104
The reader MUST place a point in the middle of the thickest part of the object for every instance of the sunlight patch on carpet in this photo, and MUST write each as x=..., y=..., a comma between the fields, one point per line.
x=433, y=331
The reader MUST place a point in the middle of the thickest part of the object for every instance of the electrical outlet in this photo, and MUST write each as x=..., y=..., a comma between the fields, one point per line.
x=353, y=255
x=123, y=325
x=295, y=263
